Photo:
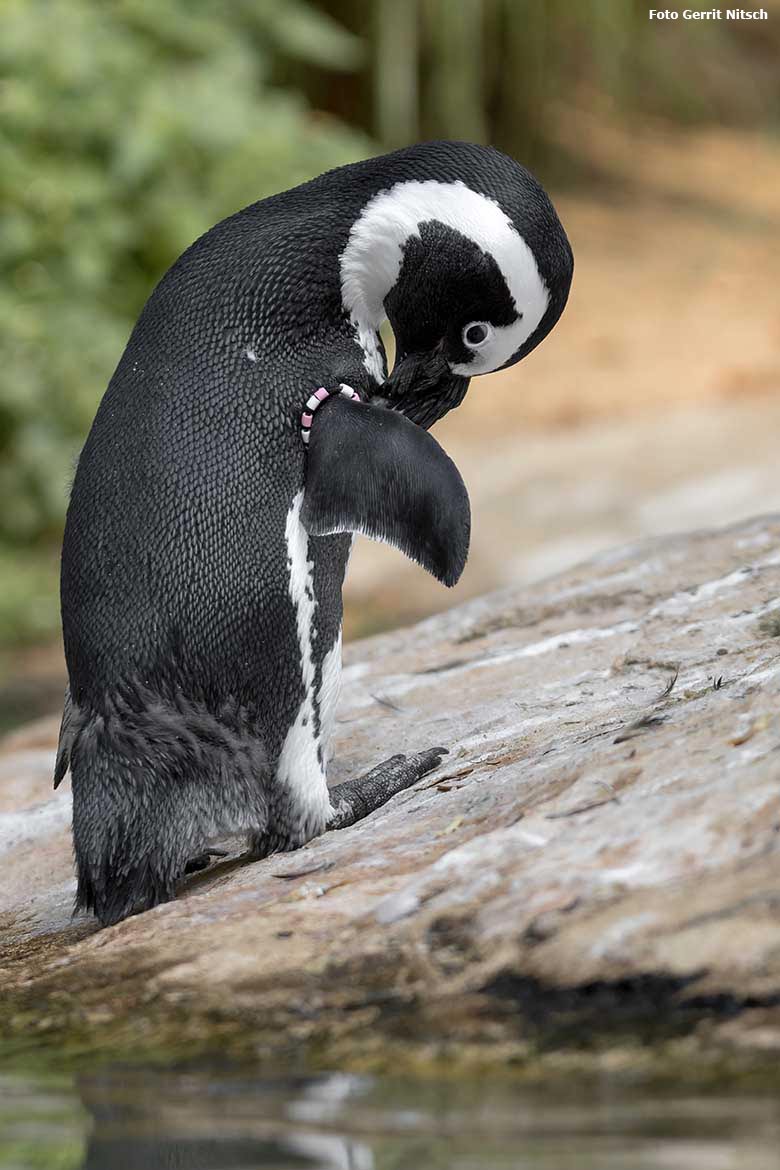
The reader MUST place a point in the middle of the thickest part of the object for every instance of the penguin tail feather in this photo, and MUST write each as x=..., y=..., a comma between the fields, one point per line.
x=154, y=777
x=62, y=763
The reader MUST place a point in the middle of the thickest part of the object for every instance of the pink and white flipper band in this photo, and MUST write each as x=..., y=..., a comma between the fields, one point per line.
x=317, y=398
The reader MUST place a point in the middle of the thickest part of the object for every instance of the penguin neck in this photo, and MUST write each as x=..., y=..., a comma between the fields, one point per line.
x=368, y=270
x=363, y=302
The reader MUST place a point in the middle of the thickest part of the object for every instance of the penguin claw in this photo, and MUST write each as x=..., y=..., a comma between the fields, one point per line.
x=355, y=799
x=203, y=860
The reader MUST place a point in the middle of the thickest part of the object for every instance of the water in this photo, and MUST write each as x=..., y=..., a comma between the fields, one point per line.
x=210, y=1119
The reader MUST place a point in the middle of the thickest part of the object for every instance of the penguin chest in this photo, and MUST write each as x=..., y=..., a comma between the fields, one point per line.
x=316, y=571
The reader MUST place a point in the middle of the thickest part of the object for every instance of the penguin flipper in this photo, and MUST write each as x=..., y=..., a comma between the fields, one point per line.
x=370, y=470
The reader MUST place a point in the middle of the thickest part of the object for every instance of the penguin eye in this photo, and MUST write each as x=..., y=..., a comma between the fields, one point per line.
x=476, y=334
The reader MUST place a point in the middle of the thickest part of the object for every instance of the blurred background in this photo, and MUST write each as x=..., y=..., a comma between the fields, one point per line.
x=128, y=128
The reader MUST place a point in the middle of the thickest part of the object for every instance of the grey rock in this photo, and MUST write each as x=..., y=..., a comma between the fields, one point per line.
x=596, y=862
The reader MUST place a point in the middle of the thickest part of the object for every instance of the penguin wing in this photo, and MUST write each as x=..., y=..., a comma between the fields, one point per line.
x=371, y=470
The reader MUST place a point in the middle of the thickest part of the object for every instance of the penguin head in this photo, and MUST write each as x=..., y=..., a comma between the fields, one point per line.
x=461, y=250
x=472, y=272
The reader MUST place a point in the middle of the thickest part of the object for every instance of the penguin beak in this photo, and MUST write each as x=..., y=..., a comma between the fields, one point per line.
x=423, y=388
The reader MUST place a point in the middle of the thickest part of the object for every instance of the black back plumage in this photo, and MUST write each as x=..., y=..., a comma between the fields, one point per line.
x=176, y=599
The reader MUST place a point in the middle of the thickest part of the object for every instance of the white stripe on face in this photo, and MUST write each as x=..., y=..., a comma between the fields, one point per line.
x=372, y=259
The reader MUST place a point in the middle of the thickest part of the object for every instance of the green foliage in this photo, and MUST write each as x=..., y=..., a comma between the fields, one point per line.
x=36, y=1155
x=127, y=128
x=29, y=597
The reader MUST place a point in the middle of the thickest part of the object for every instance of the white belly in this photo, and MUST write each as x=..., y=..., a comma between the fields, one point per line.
x=301, y=768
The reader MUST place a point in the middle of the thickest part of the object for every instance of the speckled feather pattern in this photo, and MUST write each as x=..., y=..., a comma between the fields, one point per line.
x=176, y=603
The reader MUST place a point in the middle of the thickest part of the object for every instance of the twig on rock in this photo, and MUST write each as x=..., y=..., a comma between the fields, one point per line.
x=383, y=702
x=291, y=874
x=666, y=692
x=631, y=730
x=576, y=809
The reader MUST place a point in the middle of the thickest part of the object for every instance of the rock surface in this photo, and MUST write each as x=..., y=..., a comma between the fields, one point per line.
x=594, y=869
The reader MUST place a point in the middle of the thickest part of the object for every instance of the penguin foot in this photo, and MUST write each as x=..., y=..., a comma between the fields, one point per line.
x=203, y=860
x=356, y=798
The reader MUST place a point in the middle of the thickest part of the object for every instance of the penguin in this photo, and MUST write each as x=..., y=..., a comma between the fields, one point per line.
x=248, y=433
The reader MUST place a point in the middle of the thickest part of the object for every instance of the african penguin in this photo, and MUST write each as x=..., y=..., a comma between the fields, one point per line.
x=250, y=429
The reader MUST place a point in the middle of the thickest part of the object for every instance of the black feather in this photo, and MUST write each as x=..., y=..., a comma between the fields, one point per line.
x=371, y=470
